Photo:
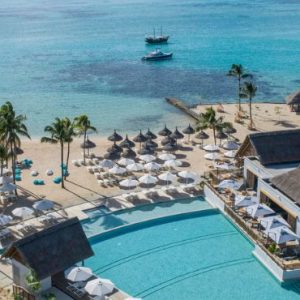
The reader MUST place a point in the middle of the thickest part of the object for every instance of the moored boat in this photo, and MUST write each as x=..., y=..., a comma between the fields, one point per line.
x=157, y=55
x=153, y=39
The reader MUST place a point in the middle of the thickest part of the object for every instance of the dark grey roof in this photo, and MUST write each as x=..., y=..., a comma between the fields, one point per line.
x=289, y=184
x=52, y=250
x=276, y=147
x=293, y=98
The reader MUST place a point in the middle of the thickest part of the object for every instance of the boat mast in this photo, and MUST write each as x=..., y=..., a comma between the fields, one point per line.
x=154, y=32
x=160, y=30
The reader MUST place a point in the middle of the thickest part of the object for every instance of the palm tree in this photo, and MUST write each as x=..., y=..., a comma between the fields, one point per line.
x=210, y=120
x=12, y=127
x=249, y=91
x=83, y=125
x=69, y=134
x=57, y=131
x=238, y=72
x=4, y=156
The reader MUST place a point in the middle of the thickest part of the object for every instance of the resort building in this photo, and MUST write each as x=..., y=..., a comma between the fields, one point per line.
x=271, y=168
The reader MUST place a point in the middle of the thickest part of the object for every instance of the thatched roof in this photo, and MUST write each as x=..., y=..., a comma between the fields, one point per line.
x=274, y=147
x=293, y=98
x=288, y=184
x=52, y=250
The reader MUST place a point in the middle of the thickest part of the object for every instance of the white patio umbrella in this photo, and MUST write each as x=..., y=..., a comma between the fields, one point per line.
x=212, y=156
x=211, y=147
x=99, y=287
x=259, y=210
x=6, y=179
x=148, y=179
x=147, y=157
x=230, y=154
x=152, y=166
x=78, y=274
x=167, y=176
x=125, y=161
x=188, y=175
x=22, y=212
x=8, y=187
x=172, y=163
x=43, y=204
x=107, y=164
x=230, y=145
x=5, y=219
x=6, y=171
x=281, y=235
x=229, y=184
x=224, y=166
x=135, y=167
x=129, y=183
x=244, y=201
x=167, y=156
x=272, y=222
x=117, y=170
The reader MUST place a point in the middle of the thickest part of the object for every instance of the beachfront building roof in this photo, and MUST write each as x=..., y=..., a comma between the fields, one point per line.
x=293, y=101
x=48, y=252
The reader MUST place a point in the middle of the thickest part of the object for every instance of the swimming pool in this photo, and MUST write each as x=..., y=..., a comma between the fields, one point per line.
x=199, y=255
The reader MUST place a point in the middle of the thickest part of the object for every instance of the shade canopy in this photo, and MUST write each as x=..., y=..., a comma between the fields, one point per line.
x=281, y=235
x=43, y=204
x=22, y=212
x=115, y=148
x=127, y=143
x=117, y=170
x=106, y=163
x=140, y=138
x=244, y=201
x=230, y=145
x=146, y=150
x=177, y=135
x=18, y=151
x=76, y=274
x=125, y=161
x=99, y=287
x=189, y=130
x=168, y=140
x=148, y=179
x=152, y=166
x=201, y=135
x=112, y=155
x=259, y=210
x=5, y=219
x=165, y=131
x=88, y=144
x=272, y=222
x=221, y=135
x=170, y=147
x=8, y=187
x=129, y=183
x=115, y=137
x=188, y=175
x=167, y=156
x=229, y=130
x=212, y=156
x=135, y=167
x=150, y=144
x=172, y=163
x=230, y=154
x=129, y=153
x=167, y=176
x=211, y=147
x=147, y=157
x=150, y=135
x=229, y=184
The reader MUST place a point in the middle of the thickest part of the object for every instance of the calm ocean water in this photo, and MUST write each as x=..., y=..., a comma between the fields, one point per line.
x=64, y=58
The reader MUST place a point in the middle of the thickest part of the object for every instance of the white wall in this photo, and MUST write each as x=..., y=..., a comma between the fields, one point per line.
x=213, y=199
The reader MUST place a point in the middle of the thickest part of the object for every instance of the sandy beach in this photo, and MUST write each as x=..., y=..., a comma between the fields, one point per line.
x=82, y=186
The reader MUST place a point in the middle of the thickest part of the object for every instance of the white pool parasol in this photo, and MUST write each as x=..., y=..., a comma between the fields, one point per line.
x=167, y=176
x=107, y=164
x=152, y=166
x=259, y=210
x=172, y=163
x=148, y=179
x=229, y=184
x=135, y=167
x=76, y=274
x=117, y=170
x=129, y=183
x=211, y=148
x=281, y=235
x=125, y=161
x=230, y=145
x=272, y=222
x=5, y=219
x=6, y=179
x=147, y=157
x=212, y=156
x=167, y=156
x=99, y=287
x=230, y=154
x=8, y=187
x=43, y=204
x=22, y=212
x=244, y=201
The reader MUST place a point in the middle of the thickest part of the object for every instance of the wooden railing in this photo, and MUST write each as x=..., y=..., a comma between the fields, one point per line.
x=22, y=292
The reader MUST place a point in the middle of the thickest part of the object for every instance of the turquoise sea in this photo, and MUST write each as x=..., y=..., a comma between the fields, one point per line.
x=64, y=58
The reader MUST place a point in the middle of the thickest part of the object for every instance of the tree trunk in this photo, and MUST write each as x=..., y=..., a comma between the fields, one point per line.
x=1, y=170
x=214, y=132
x=62, y=162
x=84, y=139
x=68, y=156
x=13, y=163
x=250, y=112
x=239, y=91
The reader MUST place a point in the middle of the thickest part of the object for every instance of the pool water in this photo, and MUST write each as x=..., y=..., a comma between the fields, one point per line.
x=101, y=220
x=196, y=256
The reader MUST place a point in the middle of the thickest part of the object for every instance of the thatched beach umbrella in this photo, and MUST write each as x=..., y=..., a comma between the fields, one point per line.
x=112, y=155
x=140, y=138
x=127, y=143
x=229, y=130
x=150, y=135
x=189, y=130
x=146, y=150
x=18, y=151
x=165, y=131
x=129, y=153
x=177, y=135
x=115, y=137
x=88, y=144
x=202, y=136
x=221, y=135
x=151, y=144
x=170, y=147
x=115, y=148
x=168, y=140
